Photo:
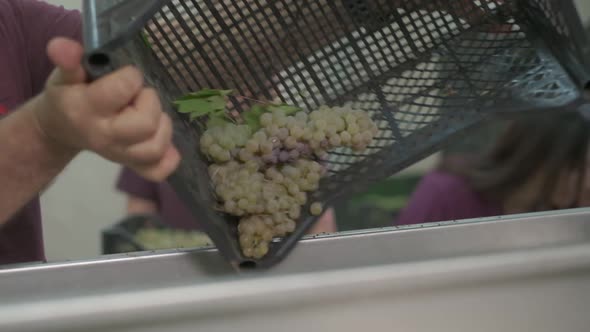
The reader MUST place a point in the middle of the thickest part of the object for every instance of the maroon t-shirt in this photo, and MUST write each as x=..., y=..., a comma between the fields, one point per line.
x=26, y=26
x=171, y=209
x=442, y=196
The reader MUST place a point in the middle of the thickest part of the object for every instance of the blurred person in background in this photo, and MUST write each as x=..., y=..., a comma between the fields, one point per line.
x=539, y=163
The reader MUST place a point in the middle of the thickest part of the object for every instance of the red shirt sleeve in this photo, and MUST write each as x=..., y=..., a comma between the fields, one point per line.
x=41, y=23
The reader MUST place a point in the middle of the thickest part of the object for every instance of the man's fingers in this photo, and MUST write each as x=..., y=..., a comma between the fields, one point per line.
x=152, y=150
x=161, y=170
x=139, y=122
x=115, y=91
x=66, y=55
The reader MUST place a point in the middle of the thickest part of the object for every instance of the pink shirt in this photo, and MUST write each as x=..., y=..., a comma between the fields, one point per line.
x=442, y=196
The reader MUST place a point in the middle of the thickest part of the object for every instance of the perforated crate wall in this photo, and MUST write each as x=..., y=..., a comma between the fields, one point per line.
x=424, y=70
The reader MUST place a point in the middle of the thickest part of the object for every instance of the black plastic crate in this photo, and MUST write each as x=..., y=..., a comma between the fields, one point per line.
x=424, y=70
x=121, y=237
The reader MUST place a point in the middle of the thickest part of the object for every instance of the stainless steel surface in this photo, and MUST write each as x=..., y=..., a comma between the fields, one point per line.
x=523, y=273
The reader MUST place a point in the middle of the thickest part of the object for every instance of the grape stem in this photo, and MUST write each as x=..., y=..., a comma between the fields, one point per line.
x=256, y=100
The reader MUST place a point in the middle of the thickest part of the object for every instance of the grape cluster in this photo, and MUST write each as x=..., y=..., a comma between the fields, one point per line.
x=265, y=177
x=257, y=231
x=288, y=138
x=222, y=143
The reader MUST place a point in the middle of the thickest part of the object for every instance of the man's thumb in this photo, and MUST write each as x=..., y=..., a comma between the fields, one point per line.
x=66, y=55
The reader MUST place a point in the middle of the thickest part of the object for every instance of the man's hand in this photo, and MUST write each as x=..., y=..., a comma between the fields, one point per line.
x=115, y=116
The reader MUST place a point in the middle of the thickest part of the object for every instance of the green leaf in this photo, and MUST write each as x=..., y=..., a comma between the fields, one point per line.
x=185, y=97
x=205, y=102
x=198, y=107
x=252, y=117
x=145, y=40
x=194, y=116
x=288, y=109
x=203, y=94
x=217, y=102
x=217, y=119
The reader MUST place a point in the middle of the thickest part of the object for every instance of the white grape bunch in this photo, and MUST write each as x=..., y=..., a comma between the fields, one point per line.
x=263, y=170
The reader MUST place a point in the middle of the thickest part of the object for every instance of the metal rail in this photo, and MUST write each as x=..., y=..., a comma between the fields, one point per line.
x=518, y=273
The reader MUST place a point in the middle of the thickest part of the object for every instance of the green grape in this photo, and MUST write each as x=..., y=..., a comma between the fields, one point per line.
x=320, y=124
x=335, y=141
x=246, y=240
x=273, y=130
x=227, y=143
x=296, y=132
x=331, y=131
x=215, y=149
x=313, y=177
x=245, y=155
x=284, y=203
x=279, y=118
x=260, y=136
x=319, y=136
x=248, y=251
x=261, y=250
x=314, y=167
x=367, y=137
x=290, y=226
x=243, y=203
x=301, y=198
x=229, y=206
x=301, y=117
x=350, y=119
x=206, y=141
x=353, y=129
x=266, y=147
x=266, y=119
x=291, y=172
x=293, y=188
x=252, y=146
x=357, y=139
x=339, y=124
x=291, y=122
x=224, y=156
x=290, y=142
x=345, y=138
x=272, y=206
x=316, y=209
x=295, y=212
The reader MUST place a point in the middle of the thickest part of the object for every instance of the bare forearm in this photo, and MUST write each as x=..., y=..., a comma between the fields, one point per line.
x=28, y=162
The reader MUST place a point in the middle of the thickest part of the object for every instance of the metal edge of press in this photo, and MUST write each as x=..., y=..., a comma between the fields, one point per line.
x=200, y=301
x=574, y=214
